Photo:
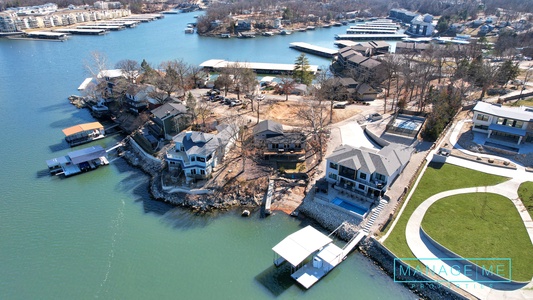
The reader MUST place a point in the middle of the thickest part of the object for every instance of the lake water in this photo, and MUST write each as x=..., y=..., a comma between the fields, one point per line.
x=99, y=235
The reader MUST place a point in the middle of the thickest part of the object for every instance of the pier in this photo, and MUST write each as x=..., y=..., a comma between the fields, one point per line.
x=268, y=196
x=361, y=37
x=316, y=50
x=260, y=68
x=81, y=31
x=299, y=246
x=104, y=27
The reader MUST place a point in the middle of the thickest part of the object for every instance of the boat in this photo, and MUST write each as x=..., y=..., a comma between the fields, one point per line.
x=302, y=29
x=225, y=35
x=189, y=30
x=84, y=133
x=310, y=27
x=326, y=26
x=245, y=213
x=267, y=33
x=285, y=32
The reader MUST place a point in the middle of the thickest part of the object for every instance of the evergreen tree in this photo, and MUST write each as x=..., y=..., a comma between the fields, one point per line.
x=302, y=72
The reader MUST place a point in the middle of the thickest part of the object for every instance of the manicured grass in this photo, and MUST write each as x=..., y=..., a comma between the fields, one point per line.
x=437, y=178
x=525, y=192
x=482, y=225
x=525, y=102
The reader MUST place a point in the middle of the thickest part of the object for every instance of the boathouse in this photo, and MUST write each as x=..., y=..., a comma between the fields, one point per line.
x=78, y=161
x=83, y=133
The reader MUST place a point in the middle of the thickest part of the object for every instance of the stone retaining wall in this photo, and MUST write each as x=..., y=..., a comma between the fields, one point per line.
x=385, y=259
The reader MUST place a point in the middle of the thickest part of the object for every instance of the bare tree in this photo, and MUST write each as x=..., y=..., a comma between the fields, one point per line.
x=314, y=115
x=130, y=69
x=286, y=85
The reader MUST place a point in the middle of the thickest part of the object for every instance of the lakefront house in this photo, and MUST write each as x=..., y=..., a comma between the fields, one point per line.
x=196, y=153
x=366, y=173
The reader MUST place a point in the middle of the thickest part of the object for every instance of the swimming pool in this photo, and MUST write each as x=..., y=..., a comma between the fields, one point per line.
x=408, y=123
x=358, y=210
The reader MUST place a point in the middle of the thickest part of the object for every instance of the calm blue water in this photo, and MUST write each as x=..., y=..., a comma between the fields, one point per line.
x=349, y=206
x=99, y=235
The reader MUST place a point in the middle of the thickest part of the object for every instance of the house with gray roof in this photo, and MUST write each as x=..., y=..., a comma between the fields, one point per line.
x=506, y=126
x=364, y=172
x=277, y=145
x=266, y=129
x=171, y=118
x=196, y=153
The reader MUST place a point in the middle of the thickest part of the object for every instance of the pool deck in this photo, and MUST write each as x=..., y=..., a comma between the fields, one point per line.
x=333, y=193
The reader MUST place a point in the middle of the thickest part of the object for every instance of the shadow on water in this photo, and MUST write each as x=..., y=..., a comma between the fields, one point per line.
x=42, y=173
x=276, y=279
x=63, y=106
x=59, y=146
x=78, y=117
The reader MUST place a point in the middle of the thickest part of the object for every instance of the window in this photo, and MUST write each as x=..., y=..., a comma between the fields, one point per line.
x=361, y=187
x=482, y=127
x=193, y=158
x=380, y=177
x=182, y=148
x=297, y=146
x=209, y=157
x=201, y=159
x=518, y=124
x=362, y=175
x=332, y=176
x=333, y=165
x=202, y=172
x=501, y=121
x=482, y=117
x=193, y=172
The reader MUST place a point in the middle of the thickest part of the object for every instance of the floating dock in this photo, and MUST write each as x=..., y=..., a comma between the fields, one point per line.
x=78, y=161
x=45, y=35
x=316, y=50
x=82, y=31
x=374, y=37
x=104, y=27
x=261, y=68
x=299, y=246
x=84, y=133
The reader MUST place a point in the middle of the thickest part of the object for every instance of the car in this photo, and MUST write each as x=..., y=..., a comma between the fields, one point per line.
x=260, y=97
x=375, y=117
x=339, y=105
x=235, y=103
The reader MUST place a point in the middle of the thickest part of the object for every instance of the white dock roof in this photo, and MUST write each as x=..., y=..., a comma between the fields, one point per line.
x=314, y=48
x=85, y=83
x=257, y=66
x=299, y=245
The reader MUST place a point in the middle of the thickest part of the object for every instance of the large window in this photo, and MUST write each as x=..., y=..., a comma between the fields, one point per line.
x=193, y=171
x=201, y=159
x=333, y=176
x=482, y=117
x=380, y=177
x=362, y=175
x=333, y=165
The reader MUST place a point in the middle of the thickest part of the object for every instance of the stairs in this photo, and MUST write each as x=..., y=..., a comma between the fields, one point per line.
x=374, y=216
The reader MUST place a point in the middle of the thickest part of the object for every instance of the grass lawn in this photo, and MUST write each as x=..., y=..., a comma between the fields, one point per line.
x=437, y=178
x=482, y=225
x=525, y=102
x=525, y=192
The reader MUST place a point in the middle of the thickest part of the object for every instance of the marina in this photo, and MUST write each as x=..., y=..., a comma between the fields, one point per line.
x=365, y=37
x=45, y=35
x=78, y=161
x=312, y=254
x=104, y=27
x=316, y=50
x=260, y=68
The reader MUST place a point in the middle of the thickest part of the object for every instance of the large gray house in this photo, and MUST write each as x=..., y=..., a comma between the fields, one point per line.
x=365, y=172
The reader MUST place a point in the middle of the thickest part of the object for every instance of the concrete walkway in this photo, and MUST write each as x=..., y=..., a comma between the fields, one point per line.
x=423, y=250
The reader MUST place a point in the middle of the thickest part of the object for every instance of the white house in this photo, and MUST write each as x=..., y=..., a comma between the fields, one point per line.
x=364, y=172
x=197, y=153
x=506, y=126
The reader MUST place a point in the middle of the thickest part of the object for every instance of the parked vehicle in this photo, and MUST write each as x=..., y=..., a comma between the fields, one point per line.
x=260, y=97
x=235, y=103
x=339, y=105
x=375, y=117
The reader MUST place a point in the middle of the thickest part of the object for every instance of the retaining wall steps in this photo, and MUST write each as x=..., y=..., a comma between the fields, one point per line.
x=374, y=215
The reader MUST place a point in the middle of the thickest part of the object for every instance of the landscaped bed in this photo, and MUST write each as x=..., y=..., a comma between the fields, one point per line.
x=437, y=178
x=482, y=225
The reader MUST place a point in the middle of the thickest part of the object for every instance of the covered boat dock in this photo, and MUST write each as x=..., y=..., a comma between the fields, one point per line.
x=78, y=161
x=316, y=50
x=260, y=68
x=84, y=133
x=306, y=242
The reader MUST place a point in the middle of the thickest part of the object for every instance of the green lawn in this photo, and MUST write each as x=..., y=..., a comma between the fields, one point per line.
x=525, y=192
x=482, y=225
x=436, y=179
x=525, y=102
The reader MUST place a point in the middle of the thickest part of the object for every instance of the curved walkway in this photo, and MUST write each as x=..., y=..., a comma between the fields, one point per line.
x=422, y=250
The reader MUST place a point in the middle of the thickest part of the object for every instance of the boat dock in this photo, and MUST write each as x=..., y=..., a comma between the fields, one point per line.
x=81, y=31
x=316, y=50
x=268, y=196
x=299, y=246
x=260, y=68
x=78, y=161
x=143, y=17
x=104, y=27
x=45, y=35
x=84, y=133
x=375, y=37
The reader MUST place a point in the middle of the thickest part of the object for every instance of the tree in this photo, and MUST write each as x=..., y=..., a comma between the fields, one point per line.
x=224, y=81
x=191, y=107
x=302, y=72
x=130, y=69
x=314, y=116
x=96, y=65
x=147, y=71
x=507, y=71
x=286, y=86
